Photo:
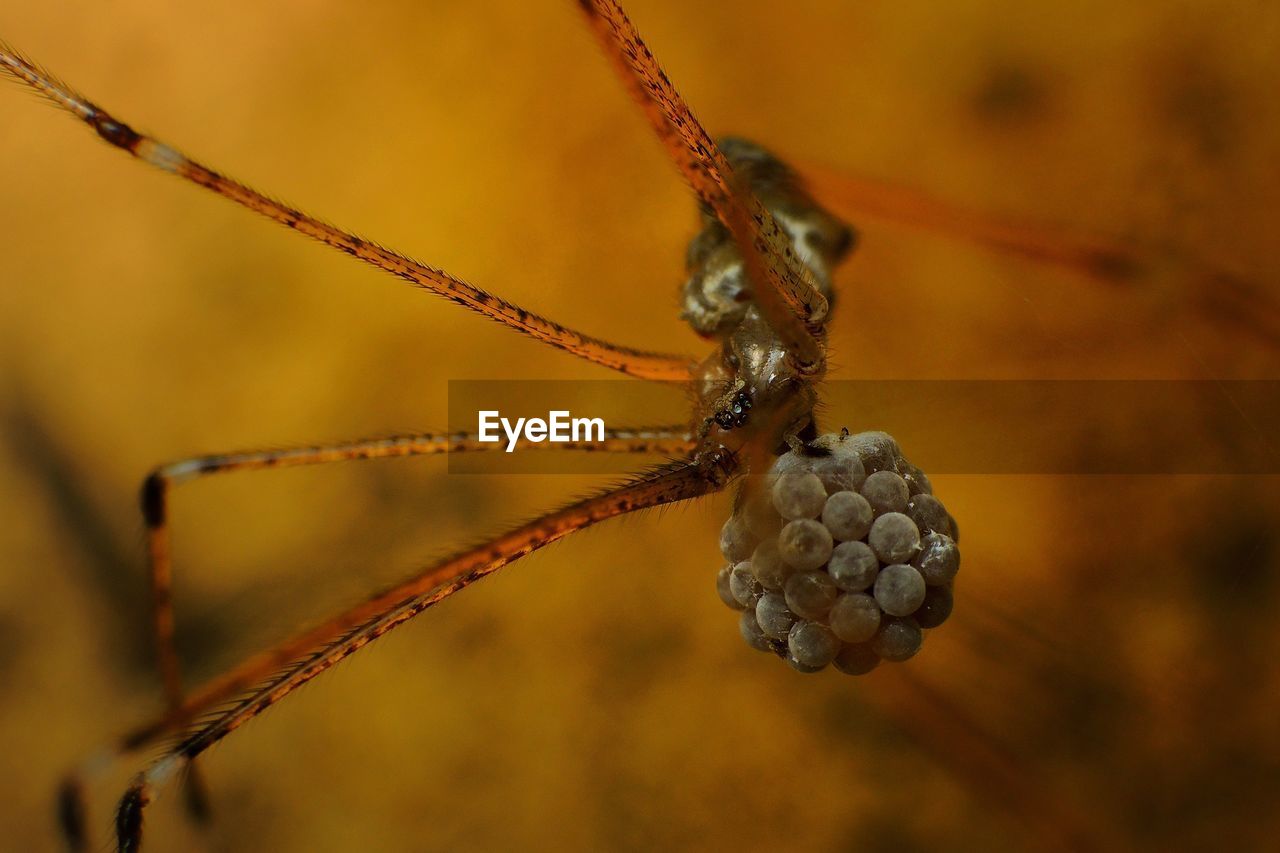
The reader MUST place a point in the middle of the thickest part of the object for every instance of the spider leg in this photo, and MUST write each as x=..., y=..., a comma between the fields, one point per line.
x=784, y=288
x=638, y=363
x=860, y=197
x=670, y=441
x=71, y=807
x=1229, y=298
x=302, y=658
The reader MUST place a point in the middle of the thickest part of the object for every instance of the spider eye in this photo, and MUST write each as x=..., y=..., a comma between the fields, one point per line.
x=735, y=413
x=832, y=565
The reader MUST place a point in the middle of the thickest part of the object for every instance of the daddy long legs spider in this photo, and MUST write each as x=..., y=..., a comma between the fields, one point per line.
x=868, y=350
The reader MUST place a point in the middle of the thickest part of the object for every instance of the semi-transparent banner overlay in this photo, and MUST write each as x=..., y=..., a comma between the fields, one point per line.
x=943, y=426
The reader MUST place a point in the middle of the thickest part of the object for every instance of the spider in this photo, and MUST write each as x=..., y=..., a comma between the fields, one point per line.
x=719, y=444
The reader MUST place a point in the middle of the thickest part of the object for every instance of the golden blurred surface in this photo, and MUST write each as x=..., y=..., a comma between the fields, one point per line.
x=1108, y=679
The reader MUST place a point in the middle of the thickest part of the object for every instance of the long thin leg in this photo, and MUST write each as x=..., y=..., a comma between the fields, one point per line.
x=665, y=441
x=639, y=363
x=784, y=289
x=314, y=651
x=857, y=196
x=1229, y=298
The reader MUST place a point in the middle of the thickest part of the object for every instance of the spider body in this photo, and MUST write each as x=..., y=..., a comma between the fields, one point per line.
x=752, y=368
x=759, y=289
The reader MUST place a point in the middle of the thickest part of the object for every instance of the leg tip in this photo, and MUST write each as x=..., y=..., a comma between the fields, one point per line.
x=129, y=818
x=71, y=814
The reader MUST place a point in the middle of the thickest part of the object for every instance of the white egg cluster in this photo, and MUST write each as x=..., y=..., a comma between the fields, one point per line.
x=842, y=557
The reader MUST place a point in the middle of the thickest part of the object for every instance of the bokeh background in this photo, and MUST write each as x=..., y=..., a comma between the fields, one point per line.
x=1109, y=677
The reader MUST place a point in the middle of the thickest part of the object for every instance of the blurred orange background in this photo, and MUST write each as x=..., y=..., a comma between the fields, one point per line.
x=1108, y=679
